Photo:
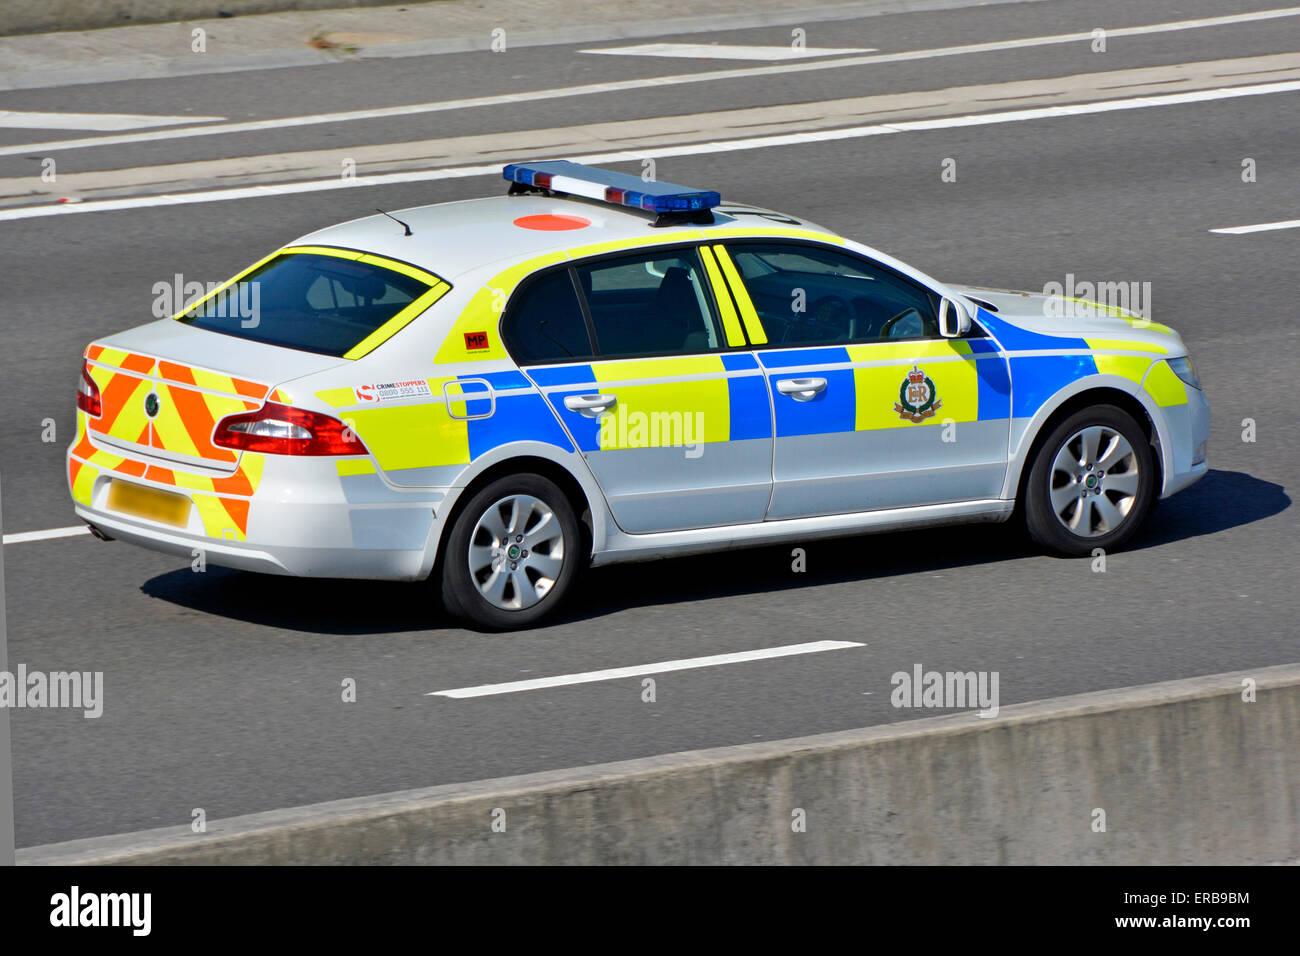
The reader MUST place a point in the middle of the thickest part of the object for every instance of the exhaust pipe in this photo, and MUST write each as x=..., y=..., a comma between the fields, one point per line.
x=99, y=534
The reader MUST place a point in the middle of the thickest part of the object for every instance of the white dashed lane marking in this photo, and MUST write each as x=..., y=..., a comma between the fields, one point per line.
x=663, y=667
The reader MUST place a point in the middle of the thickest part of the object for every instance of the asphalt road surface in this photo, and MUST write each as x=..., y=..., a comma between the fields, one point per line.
x=223, y=689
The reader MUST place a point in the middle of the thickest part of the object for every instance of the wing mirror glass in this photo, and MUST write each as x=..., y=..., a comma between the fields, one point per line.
x=954, y=320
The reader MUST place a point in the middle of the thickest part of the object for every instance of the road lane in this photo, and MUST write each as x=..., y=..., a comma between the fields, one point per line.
x=223, y=690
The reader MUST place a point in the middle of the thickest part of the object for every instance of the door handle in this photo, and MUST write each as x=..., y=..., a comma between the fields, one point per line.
x=801, y=389
x=590, y=405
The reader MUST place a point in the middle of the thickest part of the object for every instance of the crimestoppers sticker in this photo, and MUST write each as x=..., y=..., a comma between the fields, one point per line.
x=388, y=391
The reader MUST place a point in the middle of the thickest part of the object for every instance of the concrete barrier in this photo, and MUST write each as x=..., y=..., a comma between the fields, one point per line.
x=1185, y=772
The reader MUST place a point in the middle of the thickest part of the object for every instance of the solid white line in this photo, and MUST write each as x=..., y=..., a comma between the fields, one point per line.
x=692, y=149
x=24, y=119
x=726, y=51
x=640, y=83
x=49, y=533
x=1261, y=227
x=767, y=653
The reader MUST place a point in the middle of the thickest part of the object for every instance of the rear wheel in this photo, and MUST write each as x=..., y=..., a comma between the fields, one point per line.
x=512, y=554
x=1091, y=484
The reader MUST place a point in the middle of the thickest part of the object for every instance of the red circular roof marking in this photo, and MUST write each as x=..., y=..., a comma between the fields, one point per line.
x=552, y=223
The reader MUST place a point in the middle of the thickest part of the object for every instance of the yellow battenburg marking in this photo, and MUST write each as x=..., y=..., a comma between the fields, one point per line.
x=669, y=414
x=1131, y=367
x=114, y=357
x=337, y=397
x=730, y=320
x=354, y=466
x=1124, y=345
x=1164, y=386
x=107, y=459
x=412, y=436
x=956, y=384
x=216, y=520
x=131, y=419
x=185, y=479
x=748, y=314
x=483, y=314
x=84, y=484
x=215, y=381
x=170, y=429
x=252, y=464
x=887, y=351
x=632, y=369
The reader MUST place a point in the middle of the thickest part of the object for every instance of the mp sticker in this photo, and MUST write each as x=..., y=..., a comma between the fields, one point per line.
x=917, y=397
x=476, y=341
x=389, y=391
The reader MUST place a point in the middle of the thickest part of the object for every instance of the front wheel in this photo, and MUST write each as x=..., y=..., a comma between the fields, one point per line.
x=512, y=554
x=1091, y=484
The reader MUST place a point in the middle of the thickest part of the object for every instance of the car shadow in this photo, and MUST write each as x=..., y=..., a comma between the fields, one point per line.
x=1220, y=501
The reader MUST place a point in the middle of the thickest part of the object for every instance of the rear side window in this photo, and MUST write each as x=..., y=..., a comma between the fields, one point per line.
x=650, y=304
x=308, y=301
x=544, y=322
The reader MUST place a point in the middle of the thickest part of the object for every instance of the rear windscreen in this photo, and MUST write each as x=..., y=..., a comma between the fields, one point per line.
x=310, y=302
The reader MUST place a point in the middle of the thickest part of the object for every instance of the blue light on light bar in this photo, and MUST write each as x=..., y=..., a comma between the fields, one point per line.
x=562, y=176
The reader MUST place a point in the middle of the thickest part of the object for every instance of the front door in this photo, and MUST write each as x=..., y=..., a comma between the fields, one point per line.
x=873, y=409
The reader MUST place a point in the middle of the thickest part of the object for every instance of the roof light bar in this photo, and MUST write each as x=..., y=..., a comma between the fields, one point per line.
x=620, y=189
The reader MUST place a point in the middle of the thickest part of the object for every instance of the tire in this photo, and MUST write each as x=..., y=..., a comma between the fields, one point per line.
x=512, y=554
x=1091, y=484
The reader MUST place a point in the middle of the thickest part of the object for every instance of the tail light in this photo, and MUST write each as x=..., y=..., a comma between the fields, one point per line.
x=88, y=393
x=283, y=430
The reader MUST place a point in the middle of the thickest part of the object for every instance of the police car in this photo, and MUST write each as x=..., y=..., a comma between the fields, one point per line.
x=496, y=393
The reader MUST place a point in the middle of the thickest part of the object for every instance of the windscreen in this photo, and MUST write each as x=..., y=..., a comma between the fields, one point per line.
x=308, y=301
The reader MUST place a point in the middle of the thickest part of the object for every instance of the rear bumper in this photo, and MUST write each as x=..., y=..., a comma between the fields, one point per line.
x=246, y=556
x=308, y=517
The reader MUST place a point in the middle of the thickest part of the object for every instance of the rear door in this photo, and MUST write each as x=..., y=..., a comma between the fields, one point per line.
x=873, y=409
x=649, y=375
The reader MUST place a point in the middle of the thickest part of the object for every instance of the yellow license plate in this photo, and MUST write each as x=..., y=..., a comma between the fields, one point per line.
x=149, y=503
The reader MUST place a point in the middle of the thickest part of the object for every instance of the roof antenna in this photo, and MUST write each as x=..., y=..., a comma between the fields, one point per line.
x=396, y=220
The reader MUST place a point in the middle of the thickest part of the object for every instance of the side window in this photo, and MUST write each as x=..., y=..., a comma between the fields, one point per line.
x=809, y=295
x=650, y=304
x=544, y=323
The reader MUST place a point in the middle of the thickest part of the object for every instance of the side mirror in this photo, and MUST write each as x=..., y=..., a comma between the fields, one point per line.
x=954, y=320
